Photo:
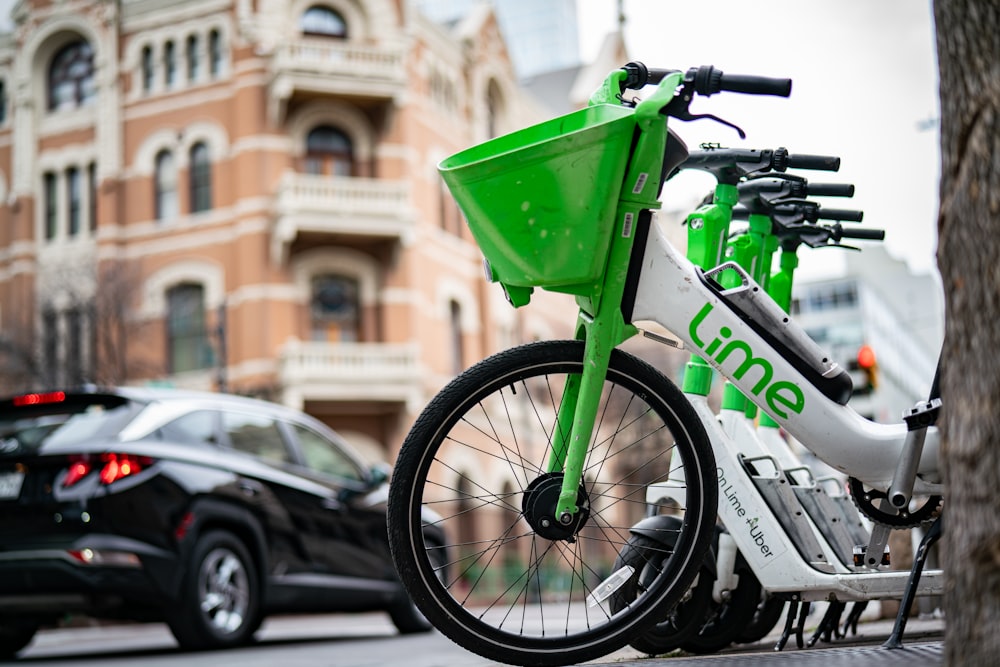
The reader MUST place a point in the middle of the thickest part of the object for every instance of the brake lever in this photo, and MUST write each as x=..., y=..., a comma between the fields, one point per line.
x=678, y=108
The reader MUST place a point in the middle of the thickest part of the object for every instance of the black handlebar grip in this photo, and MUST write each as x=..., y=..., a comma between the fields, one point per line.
x=755, y=85
x=830, y=189
x=657, y=75
x=861, y=233
x=817, y=162
x=839, y=214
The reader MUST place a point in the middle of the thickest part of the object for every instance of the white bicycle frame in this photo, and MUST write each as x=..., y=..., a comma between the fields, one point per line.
x=670, y=291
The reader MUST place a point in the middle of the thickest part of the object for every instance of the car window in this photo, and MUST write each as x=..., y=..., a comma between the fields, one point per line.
x=324, y=456
x=255, y=434
x=73, y=421
x=196, y=428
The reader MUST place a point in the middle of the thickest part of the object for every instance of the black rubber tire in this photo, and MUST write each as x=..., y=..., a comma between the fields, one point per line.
x=513, y=595
x=14, y=636
x=684, y=620
x=219, y=605
x=727, y=620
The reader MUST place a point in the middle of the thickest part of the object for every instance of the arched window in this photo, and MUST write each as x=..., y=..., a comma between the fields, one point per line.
x=193, y=59
x=165, y=186
x=200, y=178
x=214, y=54
x=329, y=151
x=71, y=77
x=169, y=64
x=323, y=21
x=148, y=70
x=334, y=309
x=187, y=337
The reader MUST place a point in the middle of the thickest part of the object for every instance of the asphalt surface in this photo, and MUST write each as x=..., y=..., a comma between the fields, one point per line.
x=923, y=646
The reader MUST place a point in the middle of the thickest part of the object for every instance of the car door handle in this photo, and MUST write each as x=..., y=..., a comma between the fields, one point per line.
x=249, y=488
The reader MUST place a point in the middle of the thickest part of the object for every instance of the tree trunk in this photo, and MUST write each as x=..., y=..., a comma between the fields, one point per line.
x=968, y=41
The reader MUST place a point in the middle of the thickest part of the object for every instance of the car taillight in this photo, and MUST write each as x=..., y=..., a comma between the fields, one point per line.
x=79, y=468
x=120, y=466
x=38, y=399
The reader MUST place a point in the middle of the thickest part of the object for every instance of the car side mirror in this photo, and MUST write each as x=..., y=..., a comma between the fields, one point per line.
x=379, y=474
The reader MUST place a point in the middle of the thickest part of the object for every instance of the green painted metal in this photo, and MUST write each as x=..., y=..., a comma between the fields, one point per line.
x=555, y=206
x=541, y=201
x=600, y=323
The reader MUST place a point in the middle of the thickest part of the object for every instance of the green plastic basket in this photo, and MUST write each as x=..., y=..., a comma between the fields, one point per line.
x=541, y=201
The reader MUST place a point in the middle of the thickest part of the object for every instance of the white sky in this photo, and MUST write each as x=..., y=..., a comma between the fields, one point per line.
x=864, y=88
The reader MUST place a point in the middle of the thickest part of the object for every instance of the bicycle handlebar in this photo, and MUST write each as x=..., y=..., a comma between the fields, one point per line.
x=830, y=189
x=843, y=215
x=861, y=233
x=729, y=165
x=707, y=80
x=714, y=81
x=771, y=189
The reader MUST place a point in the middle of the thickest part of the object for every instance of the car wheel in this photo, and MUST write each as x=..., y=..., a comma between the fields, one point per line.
x=15, y=635
x=219, y=605
x=405, y=615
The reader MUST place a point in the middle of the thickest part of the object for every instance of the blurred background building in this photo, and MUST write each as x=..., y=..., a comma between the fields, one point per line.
x=244, y=196
x=221, y=194
x=881, y=322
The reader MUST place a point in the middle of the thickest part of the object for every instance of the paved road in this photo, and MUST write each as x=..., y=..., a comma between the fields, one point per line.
x=369, y=640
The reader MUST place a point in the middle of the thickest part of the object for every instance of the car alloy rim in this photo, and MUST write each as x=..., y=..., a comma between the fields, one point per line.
x=225, y=590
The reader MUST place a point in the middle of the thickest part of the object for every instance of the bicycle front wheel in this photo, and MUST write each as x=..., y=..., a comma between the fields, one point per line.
x=472, y=483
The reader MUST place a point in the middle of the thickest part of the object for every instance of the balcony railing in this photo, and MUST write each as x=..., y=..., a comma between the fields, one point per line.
x=350, y=371
x=353, y=207
x=347, y=69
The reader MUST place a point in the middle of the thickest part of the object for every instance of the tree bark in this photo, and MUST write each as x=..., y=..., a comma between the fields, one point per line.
x=968, y=42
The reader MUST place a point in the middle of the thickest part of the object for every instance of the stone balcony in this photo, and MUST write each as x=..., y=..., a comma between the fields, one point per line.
x=362, y=209
x=311, y=67
x=356, y=372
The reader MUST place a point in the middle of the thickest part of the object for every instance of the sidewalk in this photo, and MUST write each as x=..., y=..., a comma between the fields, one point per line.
x=923, y=646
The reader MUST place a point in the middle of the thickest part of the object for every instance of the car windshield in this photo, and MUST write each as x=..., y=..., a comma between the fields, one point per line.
x=75, y=420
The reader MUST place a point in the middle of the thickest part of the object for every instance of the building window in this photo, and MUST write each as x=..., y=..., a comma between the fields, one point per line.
x=51, y=205
x=148, y=70
x=494, y=109
x=74, y=197
x=335, y=309
x=92, y=201
x=169, y=64
x=200, y=177
x=329, y=152
x=214, y=54
x=193, y=59
x=71, y=77
x=74, y=346
x=165, y=184
x=3, y=102
x=187, y=337
x=323, y=21
x=457, y=344
x=450, y=214
x=50, y=345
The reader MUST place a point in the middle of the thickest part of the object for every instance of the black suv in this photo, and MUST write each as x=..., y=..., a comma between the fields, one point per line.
x=205, y=511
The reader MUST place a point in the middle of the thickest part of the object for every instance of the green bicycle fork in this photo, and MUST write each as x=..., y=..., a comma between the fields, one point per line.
x=600, y=323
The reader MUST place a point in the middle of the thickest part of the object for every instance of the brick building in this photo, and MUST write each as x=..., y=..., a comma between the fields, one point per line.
x=242, y=194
